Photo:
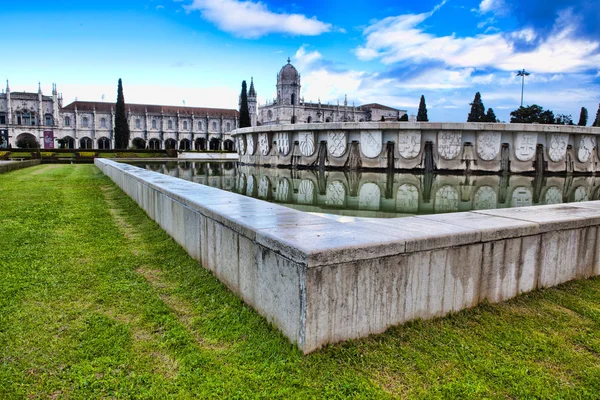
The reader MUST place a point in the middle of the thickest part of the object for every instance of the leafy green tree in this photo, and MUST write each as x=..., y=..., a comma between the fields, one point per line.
x=27, y=142
x=564, y=119
x=583, y=117
x=477, y=113
x=597, y=120
x=490, y=116
x=533, y=114
x=403, y=118
x=121, y=126
x=422, y=114
x=244, y=112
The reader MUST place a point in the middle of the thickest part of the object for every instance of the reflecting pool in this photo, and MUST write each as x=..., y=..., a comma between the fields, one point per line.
x=381, y=195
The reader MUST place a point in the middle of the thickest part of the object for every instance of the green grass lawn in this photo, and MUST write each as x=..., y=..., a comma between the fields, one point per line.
x=97, y=302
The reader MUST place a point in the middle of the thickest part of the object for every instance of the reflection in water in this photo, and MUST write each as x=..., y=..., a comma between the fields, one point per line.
x=371, y=194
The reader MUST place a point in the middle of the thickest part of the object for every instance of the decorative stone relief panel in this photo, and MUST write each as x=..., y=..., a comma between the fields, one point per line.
x=485, y=198
x=336, y=194
x=446, y=199
x=449, y=144
x=557, y=146
x=409, y=144
x=407, y=198
x=586, y=147
x=553, y=196
x=263, y=143
x=306, y=192
x=525, y=144
x=283, y=143
x=282, y=191
x=521, y=197
x=264, y=188
x=250, y=143
x=580, y=194
x=336, y=143
x=369, y=196
x=488, y=145
x=307, y=143
x=370, y=143
x=241, y=145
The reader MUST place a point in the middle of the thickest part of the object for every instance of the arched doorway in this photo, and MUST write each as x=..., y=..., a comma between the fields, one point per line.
x=215, y=144
x=185, y=144
x=103, y=143
x=66, y=142
x=85, y=143
x=200, y=144
x=170, y=144
x=154, y=144
x=228, y=145
x=139, y=143
x=27, y=141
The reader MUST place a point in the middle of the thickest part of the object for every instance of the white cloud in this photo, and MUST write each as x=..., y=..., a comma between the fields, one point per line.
x=303, y=58
x=487, y=6
x=251, y=19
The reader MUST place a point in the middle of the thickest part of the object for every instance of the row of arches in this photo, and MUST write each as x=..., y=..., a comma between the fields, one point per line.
x=104, y=143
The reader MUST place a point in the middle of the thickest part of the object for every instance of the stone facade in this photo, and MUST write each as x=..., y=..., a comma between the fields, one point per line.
x=290, y=107
x=89, y=125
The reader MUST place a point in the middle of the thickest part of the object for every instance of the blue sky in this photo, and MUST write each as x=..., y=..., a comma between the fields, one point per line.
x=391, y=52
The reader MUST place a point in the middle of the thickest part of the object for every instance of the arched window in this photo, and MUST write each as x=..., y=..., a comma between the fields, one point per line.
x=103, y=143
x=327, y=119
x=154, y=144
x=103, y=123
x=85, y=143
x=67, y=121
x=138, y=123
x=185, y=125
x=200, y=125
x=309, y=119
x=49, y=120
x=214, y=126
x=293, y=99
x=153, y=124
x=170, y=124
x=85, y=122
x=228, y=126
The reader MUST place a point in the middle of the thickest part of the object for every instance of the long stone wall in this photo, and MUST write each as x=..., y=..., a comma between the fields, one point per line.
x=321, y=280
x=481, y=147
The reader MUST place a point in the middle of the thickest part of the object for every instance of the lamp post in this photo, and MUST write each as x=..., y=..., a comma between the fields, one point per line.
x=523, y=74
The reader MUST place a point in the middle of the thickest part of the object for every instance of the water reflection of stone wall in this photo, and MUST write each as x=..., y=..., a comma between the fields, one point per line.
x=439, y=146
x=371, y=194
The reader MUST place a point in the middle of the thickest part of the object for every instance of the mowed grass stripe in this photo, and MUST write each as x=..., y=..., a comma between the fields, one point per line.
x=96, y=301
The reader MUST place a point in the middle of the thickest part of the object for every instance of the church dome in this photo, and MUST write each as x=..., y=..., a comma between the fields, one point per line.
x=288, y=72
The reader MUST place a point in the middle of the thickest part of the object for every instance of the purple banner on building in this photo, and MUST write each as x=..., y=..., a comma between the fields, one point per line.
x=48, y=139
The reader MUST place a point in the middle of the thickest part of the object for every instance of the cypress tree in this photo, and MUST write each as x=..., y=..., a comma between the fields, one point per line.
x=583, y=117
x=477, y=113
x=121, y=126
x=490, y=116
x=422, y=114
x=597, y=120
x=244, y=112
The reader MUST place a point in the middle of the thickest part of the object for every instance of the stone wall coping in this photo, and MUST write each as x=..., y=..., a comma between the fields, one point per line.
x=318, y=241
x=423, y=126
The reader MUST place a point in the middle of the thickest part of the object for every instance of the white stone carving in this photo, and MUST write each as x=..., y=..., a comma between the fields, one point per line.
x=407, y=198
x=306, y=192
x=250, y=144
x=485, y=198
x=263, y=143
x=307, y=143
x=370, y=143
x=525, y=144
x=241, y=145
x=449, y=144
x=369, y=196
x=488, y=145
x=283, y=143
x=336, y=194
x=553, y=196
x=580, y=194
x=446, y=199
x=282, y=191
x=336, y=143
x=264, y=186
x=521, y=197
x=409, y=144
x=557, y=147
x=586, y=147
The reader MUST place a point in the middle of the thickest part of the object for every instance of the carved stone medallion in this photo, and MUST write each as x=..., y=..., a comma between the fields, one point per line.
x=521, y=197
x=449, y=144
x=241, y=145
x=263, y=143
x=485, y=198
x=282, y=192
x=336, y=194
x=307, y=143
x=306, y=192
x=488, y=145
x=409, y=144
x=283, y=143
x=370, y=143
x=553, y=196
x=264, y=188
x=250, y=143
x=557, y=146
x=586, y=147
x=446, y=199
x=525, y=144
x=336, y=143
x=369, y=196
x=407, y=198
x=580, y=194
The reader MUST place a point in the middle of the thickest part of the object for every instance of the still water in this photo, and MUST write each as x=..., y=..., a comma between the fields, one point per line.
x=381, y=195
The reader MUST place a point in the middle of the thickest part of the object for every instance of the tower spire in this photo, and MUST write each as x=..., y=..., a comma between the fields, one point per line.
x=7, y=87
x=252, y=91
x=39, y=87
